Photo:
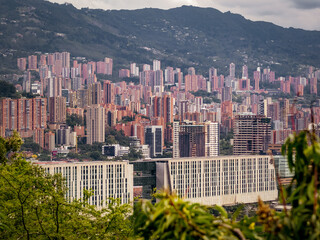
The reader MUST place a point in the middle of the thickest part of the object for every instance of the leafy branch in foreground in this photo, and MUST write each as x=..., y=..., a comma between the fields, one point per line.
x=33, y=205
x=174, y=218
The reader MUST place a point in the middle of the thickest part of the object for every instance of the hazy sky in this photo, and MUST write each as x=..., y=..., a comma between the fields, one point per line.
x=288, y=13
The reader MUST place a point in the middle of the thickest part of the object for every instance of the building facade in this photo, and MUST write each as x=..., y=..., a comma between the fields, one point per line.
x=226, y=180
x=153, y=138
x=106, y=179
x=191, y=140
x=251, y=134
x=95, y=123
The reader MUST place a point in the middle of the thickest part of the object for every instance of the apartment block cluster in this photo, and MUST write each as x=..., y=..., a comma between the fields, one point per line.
x=162, y=108
x=169, y=106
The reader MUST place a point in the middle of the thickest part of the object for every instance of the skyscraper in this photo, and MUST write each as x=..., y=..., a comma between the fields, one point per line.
x=251, y=134
x=22, y=64
x=95, y=123
x=94, y=93
x=108, y=92
x=195, y=140
x=212, y=139
x=191, y=140
x=32, y=62
x=245, y=71
x=23, y=114
x=256, y=77
x=153, y=138
x=57, y=110
x=158, y=81
x=109, y=62
x=65, y=59
x=169, y=75
x=26, y=81
x=156, y=65
x=232, y=70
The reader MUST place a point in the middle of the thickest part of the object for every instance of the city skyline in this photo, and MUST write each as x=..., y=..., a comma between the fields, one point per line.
x=288, y=13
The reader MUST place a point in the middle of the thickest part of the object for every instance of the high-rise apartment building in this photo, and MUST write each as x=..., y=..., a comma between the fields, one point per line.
x=22, y=64
x=108, y=92
x=191, y=71
x=195, y=140
x=251, y=134
x=82, y=98
x=313, y=86
x=124, y=73
x=23, y=115
x=153, y=138
x=54, y=87
x=169, y=75
x=26, y=85
x=256, y=78
x=212, y=137
x=245, y=71
x=213, y=72
x=109, y=62
x=157, y=84
x=134, y=70
x=94, y=93
x=95, y=123
x=232, y=70
x=32, y=62
x=57, y=110
x=156, y=65
x=191, y=140
x=65, y=59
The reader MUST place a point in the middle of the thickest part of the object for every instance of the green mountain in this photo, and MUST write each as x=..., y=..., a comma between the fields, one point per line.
x=180, y=37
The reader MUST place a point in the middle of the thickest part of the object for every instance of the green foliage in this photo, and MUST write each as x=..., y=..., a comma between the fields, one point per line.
x=118, y=137
x=207, y=97
x=133, y=155
x=33, y=205
x=237, y=98
x=303, y=220
x=126, y=119
x=225, y=145
x=7, y=90
x=95, y=155
x=74, y=120
x=86, y=151
x=174, y=218
x=123, y=35
x=29, y=145
x=9, y=147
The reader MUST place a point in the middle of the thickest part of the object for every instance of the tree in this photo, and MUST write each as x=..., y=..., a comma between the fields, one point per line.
x=33, y=204
x=95, y=155
x=7, y=89
x=133, y=154
x=74, y=120
x=303, y=220
x=173, y=218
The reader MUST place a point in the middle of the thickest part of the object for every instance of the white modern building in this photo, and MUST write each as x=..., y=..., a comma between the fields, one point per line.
x=225, y=180
x=212, y=138
x=106, y=179
x=115, y=150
